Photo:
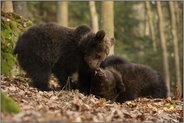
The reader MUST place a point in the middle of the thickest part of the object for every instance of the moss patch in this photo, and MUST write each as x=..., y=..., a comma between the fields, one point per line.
x=8, y=105
x=12, y=25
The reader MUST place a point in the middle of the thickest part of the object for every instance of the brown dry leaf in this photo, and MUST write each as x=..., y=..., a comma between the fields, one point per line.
x=72, y=106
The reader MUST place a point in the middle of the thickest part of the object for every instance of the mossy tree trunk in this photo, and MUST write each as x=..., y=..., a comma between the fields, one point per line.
x=12, y=25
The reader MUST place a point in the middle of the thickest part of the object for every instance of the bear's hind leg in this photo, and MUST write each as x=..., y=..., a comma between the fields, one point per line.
x=36, y=69
x=41, y=80
x=62, y=76
x=40, y=75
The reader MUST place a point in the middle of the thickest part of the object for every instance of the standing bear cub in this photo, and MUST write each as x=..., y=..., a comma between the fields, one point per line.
x=124, y=81
x=50, y=48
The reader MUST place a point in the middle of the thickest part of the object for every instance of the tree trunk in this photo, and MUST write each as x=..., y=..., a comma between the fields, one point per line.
x=150, y=20
x=140, y=29
x=7, y=6
x=163, y=46
x=21, y=8
x=62, y=13
x=94, y=16
x=175, y=42
x=107, y=19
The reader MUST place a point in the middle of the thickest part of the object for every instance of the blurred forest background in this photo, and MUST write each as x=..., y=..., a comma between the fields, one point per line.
x=148, y=33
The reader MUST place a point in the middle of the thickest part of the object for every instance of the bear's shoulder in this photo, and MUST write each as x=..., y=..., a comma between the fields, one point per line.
x=113, y=60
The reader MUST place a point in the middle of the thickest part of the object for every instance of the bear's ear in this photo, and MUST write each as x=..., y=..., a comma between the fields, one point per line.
x=112, y=40
x=82, y=30
x=120, y=86
x=100, y=35
x=119, y=83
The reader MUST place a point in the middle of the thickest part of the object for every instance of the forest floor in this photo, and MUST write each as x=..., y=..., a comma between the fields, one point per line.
x=72, y=106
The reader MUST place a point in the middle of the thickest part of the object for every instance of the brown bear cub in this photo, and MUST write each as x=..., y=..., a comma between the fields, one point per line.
x=124, y=81
x=50, y=48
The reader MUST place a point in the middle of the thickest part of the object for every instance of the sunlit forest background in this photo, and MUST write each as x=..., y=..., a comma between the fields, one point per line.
x=136, y=28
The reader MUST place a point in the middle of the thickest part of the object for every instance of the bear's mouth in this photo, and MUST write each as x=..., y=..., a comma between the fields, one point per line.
x=96, y=71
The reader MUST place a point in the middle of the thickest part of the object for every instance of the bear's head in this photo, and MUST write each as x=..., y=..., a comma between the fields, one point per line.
x=95, y=48
x=107, y=83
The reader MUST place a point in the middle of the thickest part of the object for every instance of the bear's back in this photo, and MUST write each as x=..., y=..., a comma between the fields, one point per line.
x=46, y=33
x=141, y=74
x=141, y=81
x=45, y=37
x=113, y=60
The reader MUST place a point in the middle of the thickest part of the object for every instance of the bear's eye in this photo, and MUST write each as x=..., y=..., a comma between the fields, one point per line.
x=98, y=56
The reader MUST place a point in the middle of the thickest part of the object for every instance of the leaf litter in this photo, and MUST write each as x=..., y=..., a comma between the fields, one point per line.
x=72, y=106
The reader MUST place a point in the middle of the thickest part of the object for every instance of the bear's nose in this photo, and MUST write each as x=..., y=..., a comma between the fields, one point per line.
x=97, y=69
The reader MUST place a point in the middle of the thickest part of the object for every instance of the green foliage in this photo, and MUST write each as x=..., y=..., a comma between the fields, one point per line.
x=129, y=45
x=42, y=11
x=125, y=21
x=12, y=25
x=78, y=13
x=8, y=105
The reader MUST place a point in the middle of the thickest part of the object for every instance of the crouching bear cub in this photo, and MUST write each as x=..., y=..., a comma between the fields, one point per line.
x=124, y=81
x=50, y=48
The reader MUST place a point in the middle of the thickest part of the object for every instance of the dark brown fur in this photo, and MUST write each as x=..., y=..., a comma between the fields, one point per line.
x=94, y=53
x=107, y=83
x=139, y=81
x=50, y=48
